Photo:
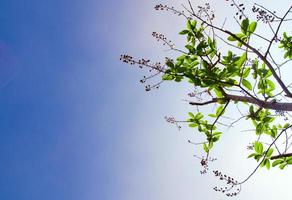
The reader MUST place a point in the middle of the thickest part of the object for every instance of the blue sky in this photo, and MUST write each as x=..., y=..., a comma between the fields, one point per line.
x=54, y=101
x=75, y=124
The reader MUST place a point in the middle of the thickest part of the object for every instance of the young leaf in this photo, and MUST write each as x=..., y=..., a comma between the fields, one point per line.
x=289, y=161
x=193, y=125
x=231, y=38
x=184, y=32
x=205, y=148
x=252, y=27
x=282, y=166
x=251, y=110
x=271, y=84
x=210, y=146
x=277, y=162
x=167, y=77
x=219, y=110
x=268, y=164
x=244, y=26
x=274, y=131
x=241, y=60
x=194, y=24
x=169, y=64
x=252, y=155
x=246, y=84
x=246, y=72
x=189, y=25
x=286, y=125
x=264, y=163
x=191, y=115
x=258, y=147
x=218, y=93
x=270, y=152
x=199, y=116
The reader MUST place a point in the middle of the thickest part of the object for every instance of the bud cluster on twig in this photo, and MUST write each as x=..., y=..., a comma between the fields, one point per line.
x=172, y=120
x=161, y=37
x=231, y=183
x=160, y=7
x=206, y=12
x=240, y=9
x=157, y=67
x=263, y=15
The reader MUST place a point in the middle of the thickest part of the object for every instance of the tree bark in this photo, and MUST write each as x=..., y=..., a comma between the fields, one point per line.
x=264, y=104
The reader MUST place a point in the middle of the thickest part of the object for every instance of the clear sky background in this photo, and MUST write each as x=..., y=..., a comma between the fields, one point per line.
x=76, y=124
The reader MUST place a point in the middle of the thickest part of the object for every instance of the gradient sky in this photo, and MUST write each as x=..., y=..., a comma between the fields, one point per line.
x=76, y=124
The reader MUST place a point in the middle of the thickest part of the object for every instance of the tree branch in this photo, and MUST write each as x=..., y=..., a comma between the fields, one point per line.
x=265, y=155
x=281, y=156
x=214, y=100
x=261, y=56
x=264, y=59
x=265, y=104
x=277, y=31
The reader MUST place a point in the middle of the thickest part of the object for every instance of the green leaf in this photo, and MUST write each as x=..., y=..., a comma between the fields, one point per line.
x=194, y=24
x=218, y=92
x=216, y=138
x=169, y=63
x=246, y=84
x=191, y=115
x=271, y=84
x=217, y=133
x=231, y=38
x=257, y=157
x=274, y=131
x=199, y=116
x=282, y=166
x=269, y=153
x=241, y=60
x=289, y=160
x=184, y=32
x=241, y=35
x=252, y=155
x=251, y=110
x=268, y=164
x=210, y=146
x=181, y=58
x=252, y=27
x=246, y=72
x=219, y=110
x=268, y=119
x=193, y=125
x=167, y=77
x=244, y=39
x=205, y=148
x=258, y=147
x=286, y=125
x=244, y=26
x=277, y=162
x=189, y=25
x=264, y=162
x=178, y=78
x=286, y=43
x=190, y=48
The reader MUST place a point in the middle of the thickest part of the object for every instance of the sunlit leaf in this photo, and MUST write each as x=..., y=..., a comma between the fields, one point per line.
x=246, y=84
